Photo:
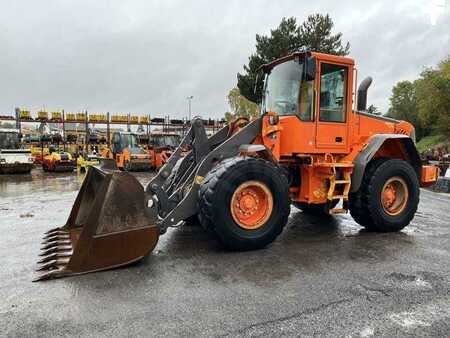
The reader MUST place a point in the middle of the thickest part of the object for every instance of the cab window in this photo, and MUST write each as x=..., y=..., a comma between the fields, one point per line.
x=306, y=101
x=333, y=88
x=287, y=92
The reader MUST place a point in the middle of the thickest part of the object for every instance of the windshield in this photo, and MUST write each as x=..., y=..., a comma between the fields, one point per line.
x=129, y=141
x=165, y=141
x=9, y=140
x=287, y=92
x=137, y=150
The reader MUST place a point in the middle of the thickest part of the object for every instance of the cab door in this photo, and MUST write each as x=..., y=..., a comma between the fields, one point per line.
x=333, y=112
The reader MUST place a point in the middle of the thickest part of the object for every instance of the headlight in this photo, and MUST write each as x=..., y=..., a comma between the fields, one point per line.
x=2, y=160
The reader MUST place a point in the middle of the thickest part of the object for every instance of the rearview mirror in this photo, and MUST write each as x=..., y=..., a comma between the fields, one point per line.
x=310, y=68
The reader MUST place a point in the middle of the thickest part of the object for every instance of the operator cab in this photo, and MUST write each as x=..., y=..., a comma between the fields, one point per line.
x=311, y=92
x=163, y=141
x=125, y=140
x=9, y=139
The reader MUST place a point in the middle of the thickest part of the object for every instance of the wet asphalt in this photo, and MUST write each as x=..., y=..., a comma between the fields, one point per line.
x=322, y=277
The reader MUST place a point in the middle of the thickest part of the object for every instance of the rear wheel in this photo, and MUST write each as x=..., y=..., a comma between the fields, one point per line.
x=388, y=197
x=245, y=202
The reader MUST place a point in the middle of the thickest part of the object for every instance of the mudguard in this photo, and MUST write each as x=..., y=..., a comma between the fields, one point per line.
x=373, y=146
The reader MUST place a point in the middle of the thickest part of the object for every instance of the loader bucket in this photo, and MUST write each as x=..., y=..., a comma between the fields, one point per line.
x=109, y=226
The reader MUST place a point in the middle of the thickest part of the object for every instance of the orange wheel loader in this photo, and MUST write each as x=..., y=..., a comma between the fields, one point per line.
x=127, y=153
x=311, y=148
x=161, y=147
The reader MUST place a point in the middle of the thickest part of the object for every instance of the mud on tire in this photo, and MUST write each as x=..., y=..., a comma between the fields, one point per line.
x=215, y=202
x=366, y=206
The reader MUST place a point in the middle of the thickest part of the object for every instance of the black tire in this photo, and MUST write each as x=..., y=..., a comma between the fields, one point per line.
x=215, y=197
x=366, y=206
x=127, y=166
x=192, y=220
x=316, y=209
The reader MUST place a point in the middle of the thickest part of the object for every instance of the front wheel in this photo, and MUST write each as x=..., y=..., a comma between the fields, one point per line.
x=245, y=202
x=388, y=197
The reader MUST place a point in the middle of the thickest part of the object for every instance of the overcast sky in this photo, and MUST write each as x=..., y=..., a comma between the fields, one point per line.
x=148, y=56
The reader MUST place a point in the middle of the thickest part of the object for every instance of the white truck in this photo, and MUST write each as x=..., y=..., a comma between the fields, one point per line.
x=13, y=159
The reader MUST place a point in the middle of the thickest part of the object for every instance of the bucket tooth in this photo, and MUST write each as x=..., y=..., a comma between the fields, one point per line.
x=56, y=234
x=55, y=249
x=48, y=265
x=52, y=244
x=52, y=230
x=53, y=264
x=53, y=256
x=55, y=231
x=52, y=234
x=49, y=275
x=55, y=238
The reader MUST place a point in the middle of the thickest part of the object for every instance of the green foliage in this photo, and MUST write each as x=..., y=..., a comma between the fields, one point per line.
x=315, y=34
x=404, y=104
x=433, y=96
x=228, y=116
x=425, y=102
x=432, y=141
x=240, y=106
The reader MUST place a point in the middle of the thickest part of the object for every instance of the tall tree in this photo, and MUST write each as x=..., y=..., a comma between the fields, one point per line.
x=314, y=34
x=433, y=97
x=404, y=104
x=425, y=102
x=240, y=106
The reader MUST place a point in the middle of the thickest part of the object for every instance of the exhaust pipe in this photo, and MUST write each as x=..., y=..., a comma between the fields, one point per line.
x=362, y=94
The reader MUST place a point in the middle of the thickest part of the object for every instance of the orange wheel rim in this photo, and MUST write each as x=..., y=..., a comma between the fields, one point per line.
x=251, y=205
x=394, y=196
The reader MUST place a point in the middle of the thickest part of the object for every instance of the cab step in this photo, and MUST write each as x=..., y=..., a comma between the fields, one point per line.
x=342, y=181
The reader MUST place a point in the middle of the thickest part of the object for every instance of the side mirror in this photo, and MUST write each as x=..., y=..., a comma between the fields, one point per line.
x=310, y=68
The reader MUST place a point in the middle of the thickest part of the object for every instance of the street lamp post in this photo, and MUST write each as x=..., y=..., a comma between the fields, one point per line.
x=189, y=98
